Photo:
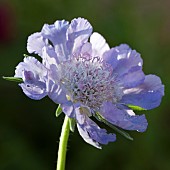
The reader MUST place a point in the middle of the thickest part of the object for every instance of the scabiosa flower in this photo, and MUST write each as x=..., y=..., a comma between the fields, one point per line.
x=88, y=79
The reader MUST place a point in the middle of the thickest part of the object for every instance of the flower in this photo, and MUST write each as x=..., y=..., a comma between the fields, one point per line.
x=88, y=78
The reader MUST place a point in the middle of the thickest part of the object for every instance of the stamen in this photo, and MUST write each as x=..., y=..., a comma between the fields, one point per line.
x=89, y=81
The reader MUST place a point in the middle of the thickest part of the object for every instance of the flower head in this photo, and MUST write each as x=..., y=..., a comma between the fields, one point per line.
x=87, y=78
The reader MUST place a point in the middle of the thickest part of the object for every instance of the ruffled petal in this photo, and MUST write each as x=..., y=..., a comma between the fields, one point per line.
x=91, y=132
x=122, y=59
x=122, y=119
x=34, y=75
x=31, y=64
x=49, y=57
x=132, y=78
x=148, y=95
x=33, y=91
x=35, y=43
x=99, y=44
x=78, y=33
x=56, y=34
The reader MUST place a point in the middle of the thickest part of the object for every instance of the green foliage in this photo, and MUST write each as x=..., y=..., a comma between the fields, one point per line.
x=58, y=111
x=14, y=79
x=25, y=55
x=133, y=107
x=72, y=123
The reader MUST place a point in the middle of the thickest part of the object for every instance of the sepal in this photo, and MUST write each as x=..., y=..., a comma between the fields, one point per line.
x=133, y=107
x=25, y=55
x=15, y=79
x=72, y=123
x=58, y=111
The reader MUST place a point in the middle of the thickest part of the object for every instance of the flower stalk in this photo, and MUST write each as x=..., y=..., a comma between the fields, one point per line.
x=63, y=145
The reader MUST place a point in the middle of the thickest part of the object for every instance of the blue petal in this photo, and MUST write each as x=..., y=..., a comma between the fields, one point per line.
x=31, y=64
x=49, y=57
x=34, y=75
x=68, y=109
x=84, y=134
x=91, y=132
x=56, y=92
x=122, y=59
x=55, y=89
x=122, y=119
x=148, y=95
x=78, y=33
x=56, y=34
x=33, y=91
x=132, y=78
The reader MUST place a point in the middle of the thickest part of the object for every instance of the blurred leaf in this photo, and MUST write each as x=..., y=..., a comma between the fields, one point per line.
x=120, y=131
x=15, y=79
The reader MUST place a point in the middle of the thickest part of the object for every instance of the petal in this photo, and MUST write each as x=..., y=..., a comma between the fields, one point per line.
x=33, y=65
x=78, y=33
x=99, y=44
x=35, y=43
x=49, y=57
x=132, y=78
x=34, y=75
x=56, y=34
x=56, y=92
x=68, y=109
x=148, y=95
x=122, y=59
x=84, y=134
x=55, y=89
x=91, y=132
x=33, y=91
x=122, y=119
x=86, y=51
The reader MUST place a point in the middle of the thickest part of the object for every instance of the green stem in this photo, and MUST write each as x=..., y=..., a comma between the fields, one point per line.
x=63, y=145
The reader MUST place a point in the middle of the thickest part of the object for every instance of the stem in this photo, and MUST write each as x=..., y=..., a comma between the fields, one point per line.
x=63, y=144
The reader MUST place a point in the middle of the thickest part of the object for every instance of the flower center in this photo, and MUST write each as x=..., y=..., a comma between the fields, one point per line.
x=89, y=82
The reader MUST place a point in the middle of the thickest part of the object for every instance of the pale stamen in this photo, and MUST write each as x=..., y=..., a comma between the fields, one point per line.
x=89, y=82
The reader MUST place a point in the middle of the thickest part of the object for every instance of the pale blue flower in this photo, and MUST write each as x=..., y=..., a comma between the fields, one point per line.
x=88, y=78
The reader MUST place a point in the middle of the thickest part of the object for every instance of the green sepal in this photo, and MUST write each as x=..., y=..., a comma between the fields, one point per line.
x=120, y=131
x=15, y=79
x=58, y=111
x=25, y=55
x=133, y=107
x=72, y=123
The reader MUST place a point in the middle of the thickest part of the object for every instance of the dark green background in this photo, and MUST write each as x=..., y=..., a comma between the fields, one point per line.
x=29, y=130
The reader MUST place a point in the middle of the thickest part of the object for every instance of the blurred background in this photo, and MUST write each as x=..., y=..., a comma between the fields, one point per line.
x=29, y=130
